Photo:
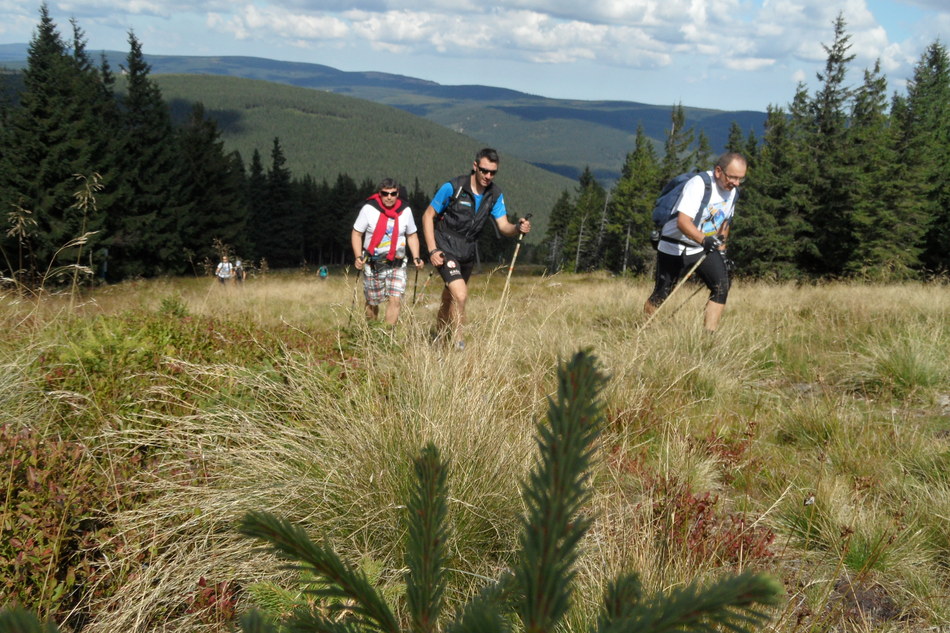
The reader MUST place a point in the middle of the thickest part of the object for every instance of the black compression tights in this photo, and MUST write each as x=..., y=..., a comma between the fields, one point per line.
x=670, y=268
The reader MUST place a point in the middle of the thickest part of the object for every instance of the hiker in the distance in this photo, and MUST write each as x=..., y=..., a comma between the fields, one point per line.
x=225, y=270
x=239, y=273
x=382, y=231
x=451, y=224
x=695, y=232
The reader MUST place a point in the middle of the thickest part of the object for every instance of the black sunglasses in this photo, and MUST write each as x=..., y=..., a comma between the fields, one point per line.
x=488, y=172
x=386, y=194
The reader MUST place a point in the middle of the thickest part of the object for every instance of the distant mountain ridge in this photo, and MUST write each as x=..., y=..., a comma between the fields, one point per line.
x=559, y=135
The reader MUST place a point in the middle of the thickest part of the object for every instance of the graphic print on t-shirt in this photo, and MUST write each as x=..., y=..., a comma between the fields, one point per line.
x=714, y=217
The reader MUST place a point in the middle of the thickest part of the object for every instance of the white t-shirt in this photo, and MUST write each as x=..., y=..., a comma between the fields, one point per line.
x=715, y=215
x=366, y=224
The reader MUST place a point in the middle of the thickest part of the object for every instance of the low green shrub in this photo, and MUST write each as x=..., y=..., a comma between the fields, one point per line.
x=53, y=531
x=103, y=368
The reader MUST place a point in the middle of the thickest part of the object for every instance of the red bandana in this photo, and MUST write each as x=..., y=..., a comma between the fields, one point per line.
x=384, y=216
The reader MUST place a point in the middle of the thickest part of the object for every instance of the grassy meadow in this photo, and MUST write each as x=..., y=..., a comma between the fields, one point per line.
x=808, y=438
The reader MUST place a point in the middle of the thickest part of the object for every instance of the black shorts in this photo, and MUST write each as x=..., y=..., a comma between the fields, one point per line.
x=453, y=270
x=671, y=268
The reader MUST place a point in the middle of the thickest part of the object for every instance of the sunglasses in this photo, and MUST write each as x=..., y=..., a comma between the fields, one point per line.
x=388, y=194
x=488, y=172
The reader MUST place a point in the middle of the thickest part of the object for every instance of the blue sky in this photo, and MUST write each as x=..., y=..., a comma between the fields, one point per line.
x=723, y=54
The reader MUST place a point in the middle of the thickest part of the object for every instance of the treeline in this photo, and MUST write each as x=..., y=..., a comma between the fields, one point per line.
x=93, y=178
x=847, y=182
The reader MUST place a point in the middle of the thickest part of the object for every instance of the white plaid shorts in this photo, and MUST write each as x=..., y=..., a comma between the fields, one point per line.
x=382, y=282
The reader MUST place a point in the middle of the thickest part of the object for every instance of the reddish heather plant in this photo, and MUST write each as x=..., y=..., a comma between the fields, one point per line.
x=213, y=603
x=697, y=527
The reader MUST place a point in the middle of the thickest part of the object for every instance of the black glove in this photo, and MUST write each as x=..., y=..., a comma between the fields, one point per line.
x=711, y=243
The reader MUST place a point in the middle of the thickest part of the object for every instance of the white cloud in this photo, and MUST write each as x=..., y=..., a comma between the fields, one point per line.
x=252, y=22
x=747, y=42
x=16, y=20
x=749, y=63
x=628, y=33
x=157, y=8
x=520, y=34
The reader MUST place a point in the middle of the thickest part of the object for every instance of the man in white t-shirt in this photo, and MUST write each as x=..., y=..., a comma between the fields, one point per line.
x=382, y=231
x=700, y=234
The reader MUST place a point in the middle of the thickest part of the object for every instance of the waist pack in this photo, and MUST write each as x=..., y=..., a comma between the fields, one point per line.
x=380, y=261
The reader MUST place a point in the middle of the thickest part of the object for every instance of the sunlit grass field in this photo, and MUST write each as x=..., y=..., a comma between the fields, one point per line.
x=809, y=438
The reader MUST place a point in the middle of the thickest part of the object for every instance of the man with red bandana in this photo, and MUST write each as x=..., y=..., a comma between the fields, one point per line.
x=381, y=233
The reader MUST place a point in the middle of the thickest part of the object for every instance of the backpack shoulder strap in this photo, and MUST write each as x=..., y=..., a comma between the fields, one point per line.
x=707, y=194
x=459, y=183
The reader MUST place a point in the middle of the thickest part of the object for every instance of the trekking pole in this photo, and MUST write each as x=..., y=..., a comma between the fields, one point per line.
x=415, y=286
x=698, y=288
x=425, y=285
x=514, y=257
x=356, y=287
x=685, y=301
x=669, y=296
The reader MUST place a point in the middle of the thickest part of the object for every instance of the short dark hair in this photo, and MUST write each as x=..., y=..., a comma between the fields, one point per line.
x=488, y=153
x=726, y=159
x=387, y=183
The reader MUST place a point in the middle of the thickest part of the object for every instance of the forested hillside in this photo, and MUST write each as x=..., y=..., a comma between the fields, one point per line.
x=562, y=135
x=324, y=134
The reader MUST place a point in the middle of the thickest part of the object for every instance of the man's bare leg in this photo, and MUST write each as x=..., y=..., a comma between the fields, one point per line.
x=393, y=304
x=713, y=314
x=452, y=311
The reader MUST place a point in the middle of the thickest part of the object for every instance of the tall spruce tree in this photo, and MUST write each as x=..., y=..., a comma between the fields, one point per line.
x=143, y=226
x=632, y=202
x=343, y=203
x=581, y=239
x=736, y=141
x=801, y=199
x=57, y=132
x=213, y=184
x=307, y=195
x=677, y=156
x=835, y=176
x=256, y=194
x=325, y=225
x=704, y=153
x=559, y=221
x=282, y=243
x=763, y=240
x=887, y=225
x=925, y=151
